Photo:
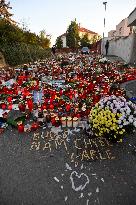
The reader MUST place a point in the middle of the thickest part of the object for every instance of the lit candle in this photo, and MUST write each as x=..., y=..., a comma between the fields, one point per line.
x=57, y=121
x=30, y=104
x=10, y=106
x=69, y=122
x=48, y=118
x=9, y=99
x=34, y=126
x=21, y=107
x=63, y=121
x=21, y=127
x=3, y=106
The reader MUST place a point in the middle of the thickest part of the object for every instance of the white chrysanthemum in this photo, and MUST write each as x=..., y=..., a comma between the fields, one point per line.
x=127, y=123
x=108, y=103
x=130, y=120
x=119, y=122
x=120, y=126
x=114, y=101
x=130, y=103
x=122, y=117
x=134, y=123
x=114, y=111
x=121, y=110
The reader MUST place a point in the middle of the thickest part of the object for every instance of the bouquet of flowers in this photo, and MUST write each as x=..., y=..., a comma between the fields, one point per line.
x=104, y=60
x=113, y=117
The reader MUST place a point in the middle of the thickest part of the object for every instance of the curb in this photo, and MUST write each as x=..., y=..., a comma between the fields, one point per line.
x=124, y=85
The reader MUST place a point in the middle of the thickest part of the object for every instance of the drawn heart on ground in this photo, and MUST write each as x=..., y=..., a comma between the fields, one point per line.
x=79, y=177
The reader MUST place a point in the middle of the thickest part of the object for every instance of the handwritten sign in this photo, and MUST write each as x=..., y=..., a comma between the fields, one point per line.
x=48, y=141
x=92, y=149
x=79, y=149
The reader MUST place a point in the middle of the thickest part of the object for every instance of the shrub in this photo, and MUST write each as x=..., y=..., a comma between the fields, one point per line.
x=20, y=53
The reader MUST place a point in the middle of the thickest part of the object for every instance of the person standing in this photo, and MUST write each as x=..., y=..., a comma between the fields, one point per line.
x=54, y=50
x=107, y=47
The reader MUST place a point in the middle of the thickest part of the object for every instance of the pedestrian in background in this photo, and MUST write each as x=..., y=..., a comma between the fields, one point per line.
x=53, y=50
x=107, y=47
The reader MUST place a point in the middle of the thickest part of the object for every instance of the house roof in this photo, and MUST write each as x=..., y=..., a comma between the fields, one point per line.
x=132, y=12
x=64, y=34
x=81, y=29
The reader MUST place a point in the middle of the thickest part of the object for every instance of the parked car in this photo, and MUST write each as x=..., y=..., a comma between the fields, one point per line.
x=85, y=50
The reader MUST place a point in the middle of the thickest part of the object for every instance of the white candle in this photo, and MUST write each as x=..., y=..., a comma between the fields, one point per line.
x=75, y=122
x=69, y=122
x=63, y=121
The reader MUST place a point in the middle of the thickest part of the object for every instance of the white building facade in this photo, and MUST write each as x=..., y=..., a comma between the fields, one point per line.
x=82, y=32
x=122, y=41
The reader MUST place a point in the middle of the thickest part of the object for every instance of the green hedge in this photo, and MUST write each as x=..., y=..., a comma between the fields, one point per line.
x=20, y=53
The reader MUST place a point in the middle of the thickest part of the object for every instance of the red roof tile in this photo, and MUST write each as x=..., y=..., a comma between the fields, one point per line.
x=81, y=29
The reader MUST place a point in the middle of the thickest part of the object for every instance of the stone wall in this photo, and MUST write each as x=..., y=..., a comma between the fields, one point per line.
x=124, y=47
x=132, y=18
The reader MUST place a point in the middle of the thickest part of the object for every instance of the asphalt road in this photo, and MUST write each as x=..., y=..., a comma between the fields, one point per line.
x=50, y=174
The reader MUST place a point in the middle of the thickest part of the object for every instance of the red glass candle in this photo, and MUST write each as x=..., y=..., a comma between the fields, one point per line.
x=48, y=118
x=51, y=100
x=30, y=104
x=51, y=106
x=22, y=107
x=46, y=101
x=44, y=107
x=68, y=107
x=77, y=115
x=53, y=121
x=5, y=90
x=61, y=92
x=34, y=126
x=5, y=115
x=10, y=106
x=21, y=128
x=71, y=96
x=9, y=99
x=3, y=106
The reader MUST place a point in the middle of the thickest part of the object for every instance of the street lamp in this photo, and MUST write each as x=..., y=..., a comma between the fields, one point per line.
x=105, y=4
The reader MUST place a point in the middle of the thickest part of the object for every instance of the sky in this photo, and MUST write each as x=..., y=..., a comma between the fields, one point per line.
x=54, y=16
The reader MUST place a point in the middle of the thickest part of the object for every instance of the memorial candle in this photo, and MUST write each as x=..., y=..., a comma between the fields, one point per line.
x=20, y=127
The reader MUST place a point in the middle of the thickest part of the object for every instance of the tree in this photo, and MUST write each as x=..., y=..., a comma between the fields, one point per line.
x=72, y=35
x=42, y=34
x=10, y=32
x=30, y=38
x=4, y=11
x=44, y=39
x=95, y=39
x=59, y=43
x=85, y=41
x=24, y=24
